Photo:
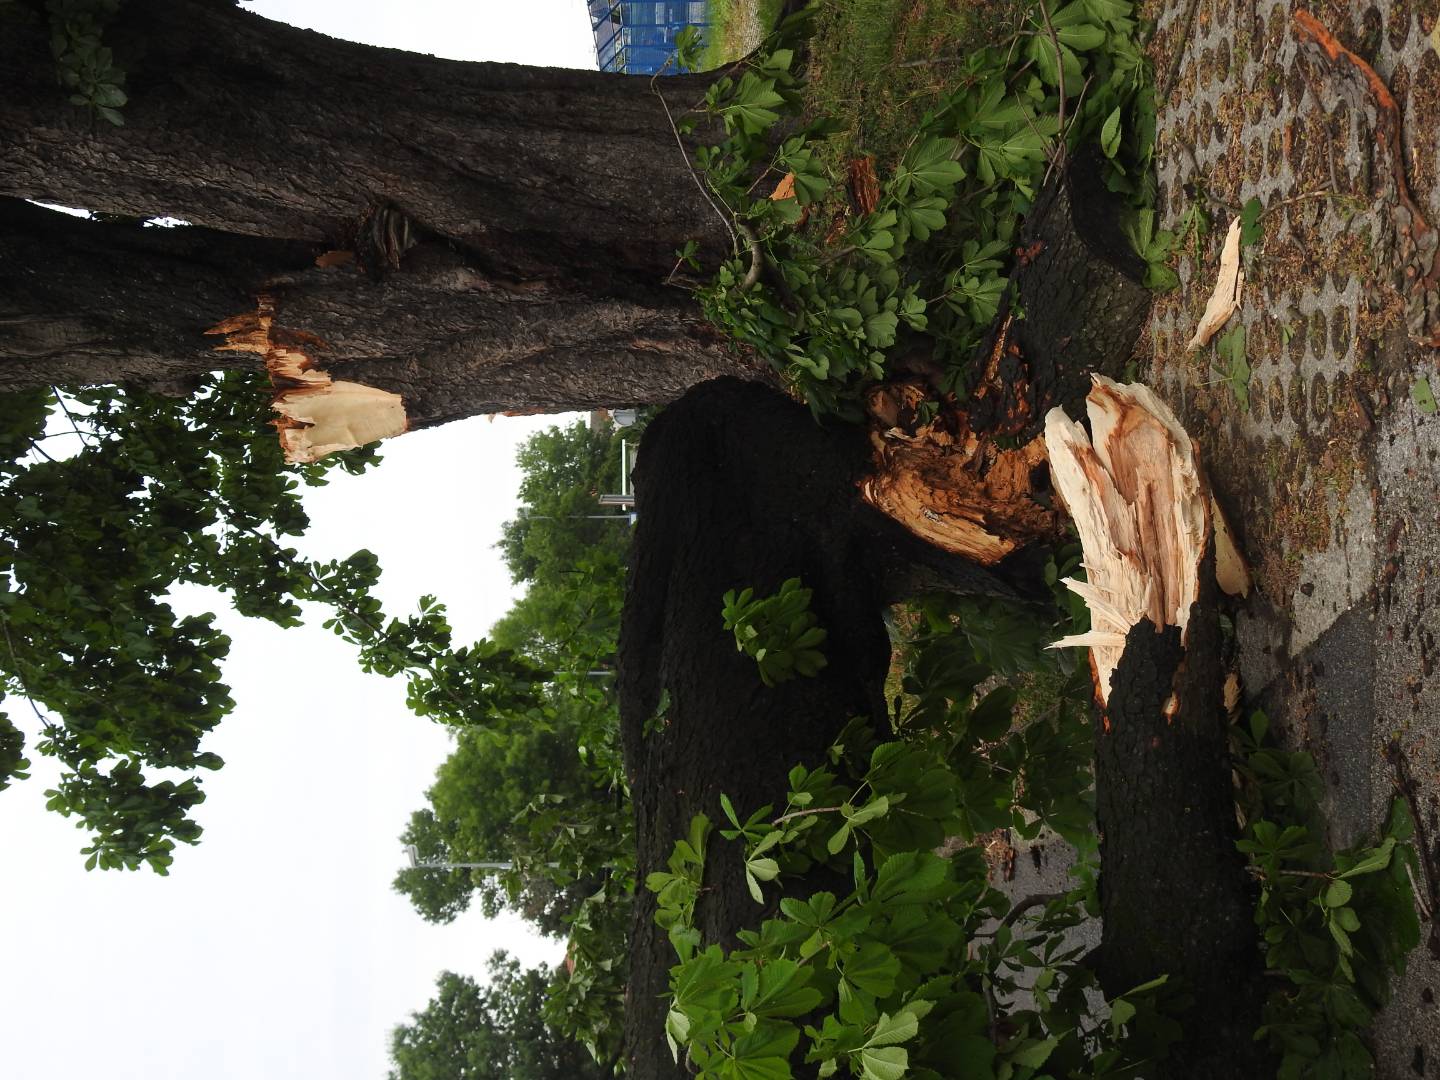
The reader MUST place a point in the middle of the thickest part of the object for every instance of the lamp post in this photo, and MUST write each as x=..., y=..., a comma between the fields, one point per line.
x=412, y=855
x=527, y=515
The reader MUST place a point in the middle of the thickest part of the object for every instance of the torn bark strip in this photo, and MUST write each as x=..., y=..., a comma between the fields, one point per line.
x=1225, y=298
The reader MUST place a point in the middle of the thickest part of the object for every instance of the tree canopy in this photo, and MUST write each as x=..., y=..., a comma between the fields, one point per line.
x=490, y=1032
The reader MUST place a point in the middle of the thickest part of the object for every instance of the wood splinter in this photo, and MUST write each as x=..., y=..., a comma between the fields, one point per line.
x=1136, y=494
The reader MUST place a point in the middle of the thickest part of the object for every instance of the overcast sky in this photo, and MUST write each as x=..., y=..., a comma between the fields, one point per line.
x=276, y=947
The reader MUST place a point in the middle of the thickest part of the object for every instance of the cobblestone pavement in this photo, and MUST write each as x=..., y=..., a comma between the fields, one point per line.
x=1331, y=475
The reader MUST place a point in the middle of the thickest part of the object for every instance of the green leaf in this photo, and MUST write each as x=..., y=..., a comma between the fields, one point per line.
x=1423, y=396
x=1083, y=37
x=872, y=968
x=1110, y=133
x=1250, y=228
x=1338, y=894
x=1121, y=1013
x=109, y=95
x=884, y=1063
x=880, y=329
x=875, y=808
x=1376, y=858
x=1033, y=1054
x=764, y=869
x=890, y=1030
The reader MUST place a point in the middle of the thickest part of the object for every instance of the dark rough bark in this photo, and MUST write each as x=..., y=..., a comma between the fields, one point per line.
x=1081, y=290
x=243, y=124
x=90, y=302
x=739, y=486
x=1175, y=896
x=511, y=226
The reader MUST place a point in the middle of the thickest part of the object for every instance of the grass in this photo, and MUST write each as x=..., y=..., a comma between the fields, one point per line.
x=731, y=34
x=876, y=65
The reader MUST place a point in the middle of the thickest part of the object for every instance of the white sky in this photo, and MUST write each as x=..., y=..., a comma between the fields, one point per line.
x=276, y=948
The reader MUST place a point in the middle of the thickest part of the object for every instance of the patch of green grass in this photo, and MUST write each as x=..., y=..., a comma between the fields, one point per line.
x=728, y=38
x=877, y=65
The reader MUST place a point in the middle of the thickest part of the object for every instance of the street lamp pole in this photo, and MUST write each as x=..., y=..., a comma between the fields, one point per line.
x=412, y=855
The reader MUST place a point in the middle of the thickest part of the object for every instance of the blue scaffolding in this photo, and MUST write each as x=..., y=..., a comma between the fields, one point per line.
x=638, y=36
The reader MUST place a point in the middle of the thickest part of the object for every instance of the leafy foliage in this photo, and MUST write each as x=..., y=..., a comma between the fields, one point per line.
x=831, y=299
x=155, y=493
x=492, y=1032
x=85, y=65
x=1334, y=926
x=542, y=781
x=905, y=974
x=895, y=978
x=778, y=632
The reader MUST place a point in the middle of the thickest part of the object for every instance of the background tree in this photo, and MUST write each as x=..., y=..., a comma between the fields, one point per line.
x=490, y=1032
x=115, y=496
x=526, y=796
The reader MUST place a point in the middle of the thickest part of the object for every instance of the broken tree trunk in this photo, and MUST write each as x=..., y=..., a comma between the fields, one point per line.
x=161, y=307
x=738, y=486
x=972, y=480
x=1175, y=896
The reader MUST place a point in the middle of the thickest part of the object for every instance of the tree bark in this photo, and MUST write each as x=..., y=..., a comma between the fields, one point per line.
x=737, y=487
x=250, y=126
x=94, y=302
x=1174, y=895
x=490, y=236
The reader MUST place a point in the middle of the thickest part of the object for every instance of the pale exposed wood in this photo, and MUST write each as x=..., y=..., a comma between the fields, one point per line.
x=1136, y=494
x=319, y=420
x=1225, y=299
x=1232, y=572
x=318, y=415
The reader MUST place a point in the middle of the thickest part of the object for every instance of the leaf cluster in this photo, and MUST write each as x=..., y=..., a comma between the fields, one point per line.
x=842, y=295
x=897, y=977
x=115, y=496
x=779, y=632
x=1333, y=925
x=84, y=65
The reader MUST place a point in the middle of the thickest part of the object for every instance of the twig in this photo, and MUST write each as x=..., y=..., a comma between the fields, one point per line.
x=1327, y=191
x=805, y=813
x=1405, y=784
x=684, y=154
x=757, y=257
x=45, y=724
x=74, y=424
x=1321, y=874
x=1174, y=73
x=1059, y=76
x=1075, y=113
x=1034, y=900
x=933, y=60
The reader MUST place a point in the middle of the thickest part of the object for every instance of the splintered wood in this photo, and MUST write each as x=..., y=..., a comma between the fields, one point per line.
x=953, y=488
x=1139, y=501
x=318, y=415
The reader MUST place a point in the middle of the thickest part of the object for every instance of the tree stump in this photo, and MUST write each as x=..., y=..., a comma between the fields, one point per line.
x=972, y=480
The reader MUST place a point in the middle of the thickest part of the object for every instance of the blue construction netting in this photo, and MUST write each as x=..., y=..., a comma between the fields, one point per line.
x=638, y=36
